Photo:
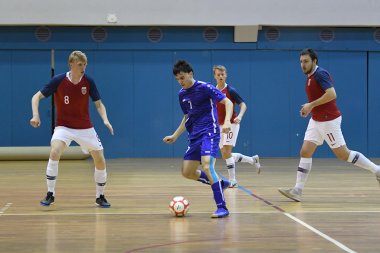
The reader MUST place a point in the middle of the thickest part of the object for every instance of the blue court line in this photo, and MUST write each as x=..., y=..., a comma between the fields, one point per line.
x=257, y=196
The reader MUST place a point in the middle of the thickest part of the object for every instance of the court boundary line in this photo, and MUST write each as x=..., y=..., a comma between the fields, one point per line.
x=5, y=208
x=51, y=213
x=311, y=228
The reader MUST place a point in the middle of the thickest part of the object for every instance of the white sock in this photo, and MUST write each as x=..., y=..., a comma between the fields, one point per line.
x=242, y=158
x=231, y=168
x=51, y=175
x=303, y=171
x=100, y=180
x=358, y=159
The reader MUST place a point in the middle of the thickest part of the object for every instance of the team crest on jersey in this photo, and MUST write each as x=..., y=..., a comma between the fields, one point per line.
x=84, y=90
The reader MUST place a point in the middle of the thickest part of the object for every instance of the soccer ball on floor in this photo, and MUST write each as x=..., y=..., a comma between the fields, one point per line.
x=179, y=206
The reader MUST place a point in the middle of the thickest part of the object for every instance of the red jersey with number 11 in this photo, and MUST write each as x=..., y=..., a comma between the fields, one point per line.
x=316, y=84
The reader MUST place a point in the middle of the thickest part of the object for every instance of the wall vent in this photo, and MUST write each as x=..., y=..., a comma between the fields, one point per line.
x=155, y=34
x=376, y=35
x=99, y=34
x=272, y=34
x=327, y=35
x=210, y=34
x=42, y=33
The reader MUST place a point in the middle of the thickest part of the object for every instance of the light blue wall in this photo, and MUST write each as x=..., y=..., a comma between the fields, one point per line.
x=134, y=77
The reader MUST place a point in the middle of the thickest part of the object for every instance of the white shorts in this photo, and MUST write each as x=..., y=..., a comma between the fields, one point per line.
x=86, y=138
x=230, y=137
x=329, y=131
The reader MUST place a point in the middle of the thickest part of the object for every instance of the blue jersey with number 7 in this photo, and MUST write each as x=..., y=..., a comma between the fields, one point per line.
x=199, y=103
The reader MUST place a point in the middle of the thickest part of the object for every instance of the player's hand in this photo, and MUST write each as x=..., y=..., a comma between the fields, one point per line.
x=169, y=139
x=226, y=127
x=109, y=126
x=35, y=121
x=305, y=110
x=237, y=120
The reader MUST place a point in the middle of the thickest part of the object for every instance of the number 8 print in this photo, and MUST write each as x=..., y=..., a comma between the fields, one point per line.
x=66, y=100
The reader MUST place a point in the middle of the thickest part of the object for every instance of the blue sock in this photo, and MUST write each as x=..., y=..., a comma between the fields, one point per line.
x=203, y=178
x=218, y=194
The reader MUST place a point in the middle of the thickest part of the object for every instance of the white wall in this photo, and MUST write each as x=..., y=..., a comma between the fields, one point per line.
x=192, y=12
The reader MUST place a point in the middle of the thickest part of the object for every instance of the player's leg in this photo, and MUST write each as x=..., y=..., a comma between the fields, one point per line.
x=100, y=177
x=226, y=151
x=312, y=139
x=209, y=150
x=190, y=171
x=226, y=144
x=238, y=157
x=191, y=160
x=217, y=187
x=334, y=137
x=358, y=159
x=59, y=141
x=90, y=143
x=253, y=160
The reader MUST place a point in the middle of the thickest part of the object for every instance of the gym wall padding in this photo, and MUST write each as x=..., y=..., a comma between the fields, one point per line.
x=38, y=153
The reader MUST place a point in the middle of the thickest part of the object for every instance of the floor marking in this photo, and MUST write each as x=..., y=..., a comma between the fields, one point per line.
x=328, y=238
x=316, y=231
x=2, y=210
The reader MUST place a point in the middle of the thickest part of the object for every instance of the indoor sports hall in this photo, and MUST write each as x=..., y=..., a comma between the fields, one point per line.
x=131, y=47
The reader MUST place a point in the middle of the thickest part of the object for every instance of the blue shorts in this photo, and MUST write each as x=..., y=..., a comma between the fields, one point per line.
x=207, y=145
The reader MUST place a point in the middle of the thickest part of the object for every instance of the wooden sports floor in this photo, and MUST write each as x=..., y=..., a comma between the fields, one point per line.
x=340, y=211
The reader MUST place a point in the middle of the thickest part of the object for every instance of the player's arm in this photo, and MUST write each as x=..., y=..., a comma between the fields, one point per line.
x=243, y=109
x=239, y=100
x=329, y=95
x=181, y=128
x=227, y=119
x=103, y=114
x=35, y=121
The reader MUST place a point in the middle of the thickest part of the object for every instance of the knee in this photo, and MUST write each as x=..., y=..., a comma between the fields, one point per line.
x=225, y=154
x=305, y=153
x=206, y=169
x=187, y=174
x=55, y=154
x=99, y=160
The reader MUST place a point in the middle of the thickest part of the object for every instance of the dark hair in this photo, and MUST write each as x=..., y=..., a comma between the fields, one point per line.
x=310, y=52
x=182, y=66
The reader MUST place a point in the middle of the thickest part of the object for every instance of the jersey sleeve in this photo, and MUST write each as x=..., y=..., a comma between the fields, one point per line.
x=324, y=79
x=94, y=93
x=53, y=84
x=214, y=93
x=235, y=95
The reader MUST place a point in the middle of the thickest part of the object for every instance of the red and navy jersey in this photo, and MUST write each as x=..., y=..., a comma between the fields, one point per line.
x=235, y=98
x=71, y=100
x=316, y=84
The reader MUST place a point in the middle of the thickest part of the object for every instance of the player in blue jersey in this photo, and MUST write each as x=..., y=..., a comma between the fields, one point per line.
x=198, y=103
x=228, y=140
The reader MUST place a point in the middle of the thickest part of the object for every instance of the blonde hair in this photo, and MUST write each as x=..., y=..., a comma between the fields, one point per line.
x=76, y=56
x=219, y=67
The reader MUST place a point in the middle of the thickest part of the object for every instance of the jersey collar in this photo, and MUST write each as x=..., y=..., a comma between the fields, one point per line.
x=312, y=73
